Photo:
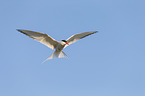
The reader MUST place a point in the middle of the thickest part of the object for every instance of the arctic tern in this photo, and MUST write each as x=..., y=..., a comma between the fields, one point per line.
x=53, y=44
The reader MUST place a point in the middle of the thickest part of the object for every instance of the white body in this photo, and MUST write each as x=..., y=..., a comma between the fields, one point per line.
x=60, y=46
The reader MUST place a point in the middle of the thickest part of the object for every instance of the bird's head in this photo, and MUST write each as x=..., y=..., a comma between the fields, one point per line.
x=65, y=42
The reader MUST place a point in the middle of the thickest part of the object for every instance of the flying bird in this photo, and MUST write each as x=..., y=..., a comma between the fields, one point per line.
x=53, y=44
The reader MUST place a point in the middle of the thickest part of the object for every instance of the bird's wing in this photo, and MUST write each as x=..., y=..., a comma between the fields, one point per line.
x=79, y=36
x=41, y=37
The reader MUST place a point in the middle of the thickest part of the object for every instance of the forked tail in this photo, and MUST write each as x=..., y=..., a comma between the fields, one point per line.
x=56, y=54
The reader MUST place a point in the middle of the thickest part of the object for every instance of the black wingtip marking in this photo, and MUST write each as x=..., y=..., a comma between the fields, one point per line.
x=25, y=33
x=89, y=34
x=20, y=30
x=96, y=31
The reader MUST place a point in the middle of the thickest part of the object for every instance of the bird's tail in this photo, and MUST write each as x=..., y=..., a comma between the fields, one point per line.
x=56, y=54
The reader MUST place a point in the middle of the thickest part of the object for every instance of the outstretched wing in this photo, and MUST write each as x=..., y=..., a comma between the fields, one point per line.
x=41, y=37
x=79, y=36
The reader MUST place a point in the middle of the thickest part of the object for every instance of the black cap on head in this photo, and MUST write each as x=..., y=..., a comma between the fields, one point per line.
x=64, y=41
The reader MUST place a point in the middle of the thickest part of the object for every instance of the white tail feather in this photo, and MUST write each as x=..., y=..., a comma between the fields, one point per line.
x=56, y=54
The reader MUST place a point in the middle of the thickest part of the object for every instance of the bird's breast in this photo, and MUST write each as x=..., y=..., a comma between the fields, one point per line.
x=59, y=47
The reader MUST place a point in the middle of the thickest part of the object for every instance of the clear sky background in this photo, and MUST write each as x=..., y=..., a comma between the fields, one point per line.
x=108, y=63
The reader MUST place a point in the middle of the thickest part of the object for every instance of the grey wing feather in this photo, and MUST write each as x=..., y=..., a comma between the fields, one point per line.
x=41, y=37
x=79, y=36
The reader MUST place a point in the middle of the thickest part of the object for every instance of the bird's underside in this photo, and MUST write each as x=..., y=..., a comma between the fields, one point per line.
x=53, y=44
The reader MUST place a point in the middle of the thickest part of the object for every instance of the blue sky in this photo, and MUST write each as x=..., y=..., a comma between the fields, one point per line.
x=108, y=63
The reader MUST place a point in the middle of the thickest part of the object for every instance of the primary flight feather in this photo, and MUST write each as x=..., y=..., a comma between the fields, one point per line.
x=52, y=43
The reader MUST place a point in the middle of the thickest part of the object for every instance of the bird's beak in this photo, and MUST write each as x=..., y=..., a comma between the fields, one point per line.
x=67, y=43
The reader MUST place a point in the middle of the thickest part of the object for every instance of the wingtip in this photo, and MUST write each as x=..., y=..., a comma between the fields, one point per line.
x=96, y=31
x=18, y=30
